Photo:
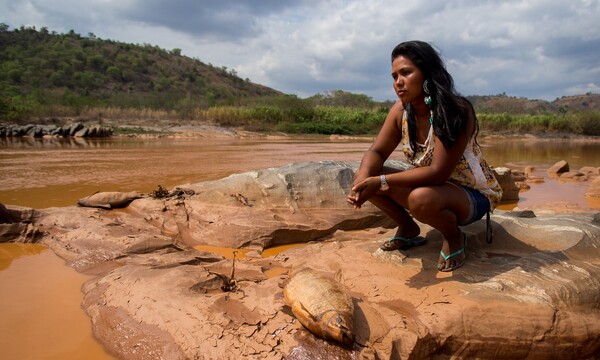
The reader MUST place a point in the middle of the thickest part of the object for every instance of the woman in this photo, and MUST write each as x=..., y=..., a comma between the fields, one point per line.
x=450, y=183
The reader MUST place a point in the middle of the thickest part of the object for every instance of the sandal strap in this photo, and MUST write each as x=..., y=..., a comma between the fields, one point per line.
x=446, y=257
x=406, y=240
x=391, y=241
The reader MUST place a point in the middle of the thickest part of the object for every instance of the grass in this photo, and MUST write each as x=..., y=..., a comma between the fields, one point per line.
x=579, y=123
x=298, y=117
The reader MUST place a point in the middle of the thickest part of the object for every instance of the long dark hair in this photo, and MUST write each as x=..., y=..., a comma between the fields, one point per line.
x=450, y=110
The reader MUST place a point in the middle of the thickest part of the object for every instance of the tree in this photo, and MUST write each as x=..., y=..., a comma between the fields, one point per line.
x=15, y=75
x=58, y=78
x=114, y=72
x=96, y=61
x=85, y=79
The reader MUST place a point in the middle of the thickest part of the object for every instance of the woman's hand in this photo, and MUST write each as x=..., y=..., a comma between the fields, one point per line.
x=363, y=190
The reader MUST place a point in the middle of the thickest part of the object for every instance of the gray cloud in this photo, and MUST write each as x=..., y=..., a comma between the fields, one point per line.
x=531, y=48
x=223, y=20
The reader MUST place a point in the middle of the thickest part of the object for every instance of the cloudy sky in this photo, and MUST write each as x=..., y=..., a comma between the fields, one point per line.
x=539, y=49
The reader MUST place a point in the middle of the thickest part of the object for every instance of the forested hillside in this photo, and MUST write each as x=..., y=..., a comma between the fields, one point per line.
x=52, y=78
x=46, y=68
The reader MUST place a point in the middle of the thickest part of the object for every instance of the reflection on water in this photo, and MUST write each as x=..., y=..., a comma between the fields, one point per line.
x=12, y=251
x=229, y=253
x=52, y=143
x=39, y=176
x=42, y=173
x=542, y=153
x=40, y=307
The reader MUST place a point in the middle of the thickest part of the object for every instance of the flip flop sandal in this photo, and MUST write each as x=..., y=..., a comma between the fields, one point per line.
x=402, y=243
x=456, y=253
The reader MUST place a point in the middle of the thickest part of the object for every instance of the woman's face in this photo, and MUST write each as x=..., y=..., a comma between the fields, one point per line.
x=408, y=80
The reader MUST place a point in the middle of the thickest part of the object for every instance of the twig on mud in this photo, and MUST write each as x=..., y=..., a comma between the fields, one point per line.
x=181, y=202
x=242, y=199
x=231, y=284
x=159, y=193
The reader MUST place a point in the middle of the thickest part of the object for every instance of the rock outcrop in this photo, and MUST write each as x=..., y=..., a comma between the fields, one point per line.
x=16, y=224
x=71, y=130
x=533, y=293
x=558, y=168
x=594, y=189
x=510, y=191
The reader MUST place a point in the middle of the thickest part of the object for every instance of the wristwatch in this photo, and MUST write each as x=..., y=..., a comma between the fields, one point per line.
x=384, y=184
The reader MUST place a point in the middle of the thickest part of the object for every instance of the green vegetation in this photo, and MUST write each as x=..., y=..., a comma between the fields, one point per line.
x=293, y=115
x=47, y=77
x=580, y=123
x=48, y=74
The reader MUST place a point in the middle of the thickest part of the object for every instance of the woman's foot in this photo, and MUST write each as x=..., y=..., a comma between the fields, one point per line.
x=402, y=243
x=452, y=255
x=406, y=237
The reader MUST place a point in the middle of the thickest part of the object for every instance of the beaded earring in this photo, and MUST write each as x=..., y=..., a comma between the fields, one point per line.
x=426, y=90
x=428, y=100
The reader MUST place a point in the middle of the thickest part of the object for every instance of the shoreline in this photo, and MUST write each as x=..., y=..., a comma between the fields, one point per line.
x=208, y=130
x=221, y=131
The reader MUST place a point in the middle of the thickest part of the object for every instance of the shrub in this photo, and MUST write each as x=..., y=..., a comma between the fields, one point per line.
x=114, y=72
x=586, y=123
x=545, y=123
x=314, y=128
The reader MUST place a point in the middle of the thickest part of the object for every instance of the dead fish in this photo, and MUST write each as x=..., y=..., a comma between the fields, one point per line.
x=109, y=200
x=321, y=304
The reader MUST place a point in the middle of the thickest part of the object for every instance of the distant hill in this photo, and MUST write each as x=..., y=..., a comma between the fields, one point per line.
x=84, y=70
x=516, y=105
x=52, y=78
x=579, y=102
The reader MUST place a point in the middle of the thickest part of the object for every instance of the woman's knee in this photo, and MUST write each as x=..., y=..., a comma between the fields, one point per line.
x=423, y=201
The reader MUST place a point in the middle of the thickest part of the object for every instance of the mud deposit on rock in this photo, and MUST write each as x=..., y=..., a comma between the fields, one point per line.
x=533, y=293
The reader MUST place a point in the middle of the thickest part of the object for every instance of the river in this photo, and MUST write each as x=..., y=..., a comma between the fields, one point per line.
x=41, y=173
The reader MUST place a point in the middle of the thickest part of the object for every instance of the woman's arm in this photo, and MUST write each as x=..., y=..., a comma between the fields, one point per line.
x=386, y=141
x=372, y=162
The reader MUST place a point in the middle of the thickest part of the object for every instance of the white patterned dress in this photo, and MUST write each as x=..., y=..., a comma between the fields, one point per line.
x=472, y=170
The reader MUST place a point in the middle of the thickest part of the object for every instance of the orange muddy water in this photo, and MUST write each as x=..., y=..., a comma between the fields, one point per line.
x=39, y=307
x=41, y=297
x=43, y=173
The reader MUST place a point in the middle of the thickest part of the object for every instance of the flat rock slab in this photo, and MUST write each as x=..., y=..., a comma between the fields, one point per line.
x=533, y=293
